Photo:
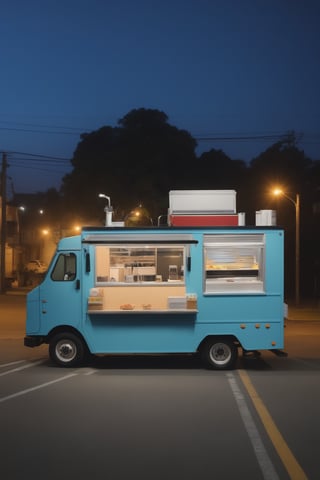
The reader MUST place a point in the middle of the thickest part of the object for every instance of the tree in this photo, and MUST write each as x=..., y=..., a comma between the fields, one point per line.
x=217, y=171
x=137, y=162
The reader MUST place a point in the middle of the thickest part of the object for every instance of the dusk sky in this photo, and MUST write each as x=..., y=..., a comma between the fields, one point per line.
x=239, y=70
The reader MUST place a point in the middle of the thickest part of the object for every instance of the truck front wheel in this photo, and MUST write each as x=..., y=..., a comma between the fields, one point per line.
x=219, y=354
x=66, y=350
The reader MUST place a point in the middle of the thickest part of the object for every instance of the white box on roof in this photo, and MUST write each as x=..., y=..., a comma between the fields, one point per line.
x=202, y=201
x=266, y=217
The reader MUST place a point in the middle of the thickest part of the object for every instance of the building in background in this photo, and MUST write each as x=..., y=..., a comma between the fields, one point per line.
x=27, y=238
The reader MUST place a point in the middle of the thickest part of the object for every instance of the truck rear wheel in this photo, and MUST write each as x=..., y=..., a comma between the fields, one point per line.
x=67, y=350
x=219, y=354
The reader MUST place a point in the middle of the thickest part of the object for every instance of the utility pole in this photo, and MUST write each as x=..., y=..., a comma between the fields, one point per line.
x=297, y=207
x=3, y=223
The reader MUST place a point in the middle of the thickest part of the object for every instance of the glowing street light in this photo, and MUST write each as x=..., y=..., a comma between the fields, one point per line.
x=278, y=192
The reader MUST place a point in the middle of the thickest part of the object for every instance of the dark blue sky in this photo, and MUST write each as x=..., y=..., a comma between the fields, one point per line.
x=217, y=68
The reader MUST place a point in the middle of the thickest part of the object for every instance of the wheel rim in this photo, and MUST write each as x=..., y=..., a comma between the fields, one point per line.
x=220, y=354
x=66, y=350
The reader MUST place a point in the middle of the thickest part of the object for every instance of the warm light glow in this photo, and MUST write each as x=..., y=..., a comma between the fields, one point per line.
x=277, y=191
x=77, y=228
x=45, y=231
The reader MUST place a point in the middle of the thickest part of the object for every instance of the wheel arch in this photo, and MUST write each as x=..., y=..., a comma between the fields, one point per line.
x=66, y=329
x=218, y=338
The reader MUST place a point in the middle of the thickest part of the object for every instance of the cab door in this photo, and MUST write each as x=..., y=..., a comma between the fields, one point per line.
x=60, y=294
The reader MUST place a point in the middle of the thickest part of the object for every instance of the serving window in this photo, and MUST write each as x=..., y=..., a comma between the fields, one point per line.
x=132, y=264
x=234, y=263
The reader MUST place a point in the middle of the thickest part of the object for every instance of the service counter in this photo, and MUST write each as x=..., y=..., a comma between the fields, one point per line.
x=156, y=298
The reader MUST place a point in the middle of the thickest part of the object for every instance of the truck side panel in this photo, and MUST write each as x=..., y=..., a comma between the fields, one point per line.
x=246, y=306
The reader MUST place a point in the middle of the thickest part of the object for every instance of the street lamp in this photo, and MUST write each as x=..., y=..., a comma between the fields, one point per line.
x=107, y=209
x=296, y=203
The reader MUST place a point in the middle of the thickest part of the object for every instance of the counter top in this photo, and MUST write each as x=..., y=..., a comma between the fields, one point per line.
x=143, y=311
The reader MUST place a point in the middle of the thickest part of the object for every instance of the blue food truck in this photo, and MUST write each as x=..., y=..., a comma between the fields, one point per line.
x=209, y=287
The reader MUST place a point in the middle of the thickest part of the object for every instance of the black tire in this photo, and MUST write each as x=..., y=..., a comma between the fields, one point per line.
x=219, y=353
x=67, y=350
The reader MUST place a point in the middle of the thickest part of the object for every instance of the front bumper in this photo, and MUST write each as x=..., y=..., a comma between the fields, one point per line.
x=33, y=341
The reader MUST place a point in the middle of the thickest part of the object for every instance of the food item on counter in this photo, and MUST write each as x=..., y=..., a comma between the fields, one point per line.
x=127, y=306
x=146, y=306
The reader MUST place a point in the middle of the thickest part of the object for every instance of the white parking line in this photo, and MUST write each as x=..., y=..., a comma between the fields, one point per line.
x=4, y=365
x=27, y=365
x=266, y=466
x=37, y=387
x=88, y=371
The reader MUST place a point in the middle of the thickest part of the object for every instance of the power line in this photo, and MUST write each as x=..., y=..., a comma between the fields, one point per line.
x=38, y=162
x=243, y=137
x=80, y=130
x=42, y=126
x=41, y=160
x=39, y=169
x=237, y=137
x=28, y=130
x=34, y=161
x=23, y=162
x=38, y=155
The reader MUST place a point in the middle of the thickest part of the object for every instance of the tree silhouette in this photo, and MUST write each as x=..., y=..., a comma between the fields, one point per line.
x=137, y=162
x=216, y=171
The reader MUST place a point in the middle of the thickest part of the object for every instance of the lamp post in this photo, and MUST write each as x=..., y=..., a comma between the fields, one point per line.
x=296, y=203
x=107, y=209
x=21, y=248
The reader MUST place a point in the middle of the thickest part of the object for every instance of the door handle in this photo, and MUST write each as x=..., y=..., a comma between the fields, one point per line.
x=77, y=284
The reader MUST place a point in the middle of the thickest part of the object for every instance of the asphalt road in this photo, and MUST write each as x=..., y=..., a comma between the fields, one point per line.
x=158, y=417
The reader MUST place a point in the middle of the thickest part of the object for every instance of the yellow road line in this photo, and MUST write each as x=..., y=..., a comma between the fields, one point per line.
x=292, y=466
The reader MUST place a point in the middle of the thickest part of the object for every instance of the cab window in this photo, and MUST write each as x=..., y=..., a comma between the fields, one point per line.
x=65, y=268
